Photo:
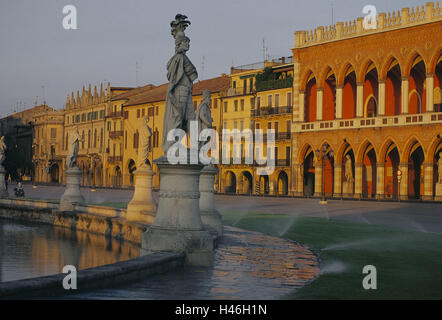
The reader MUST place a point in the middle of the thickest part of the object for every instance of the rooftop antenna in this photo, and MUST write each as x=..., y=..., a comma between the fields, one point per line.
x=202, y=68
x=333, y=20
x=43, y=89
x=136, y=72
x=263, y=49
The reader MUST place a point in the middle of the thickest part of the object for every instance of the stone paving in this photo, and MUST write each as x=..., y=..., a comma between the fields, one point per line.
x=248, y=265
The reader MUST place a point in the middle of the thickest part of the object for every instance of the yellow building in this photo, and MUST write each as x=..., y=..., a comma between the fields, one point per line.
x=48, y=145
x=93, y=115
x=260, y=97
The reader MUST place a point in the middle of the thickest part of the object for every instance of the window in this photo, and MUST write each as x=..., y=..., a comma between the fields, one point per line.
x=136, y=137
x=242, y=104
x=150, y=112
x=276, y=128
x=156, y=110
x=95, y=138
x=289, y=99
x=236, y=105
x=53, y=133
x=126, y=114
x=257, y=126
x=82, y=138
x=225, y=106
x=241, y=125
x=89, y=139
x=276, y=100
x=251, y=84
x=138, y=113
x=289, y=126
x=269, y=100
x=67, y=141
x=83, y=117
x=108, y=126
x=215, y=103
x=143, y=113
x=258, y=102
x=101, y=137
x=125, y=139
x=234, y=84
x=252, y=103
x=235, y=125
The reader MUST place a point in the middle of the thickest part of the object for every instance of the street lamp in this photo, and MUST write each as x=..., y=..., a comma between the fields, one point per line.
x=322, y=155
x=399, y=177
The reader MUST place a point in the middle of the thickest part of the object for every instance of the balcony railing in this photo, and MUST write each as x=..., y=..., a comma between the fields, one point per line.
x=231, y=92
x=378, y=121
x=269, y=111
x=115, y=134
x=114, y=159
x=115, y=114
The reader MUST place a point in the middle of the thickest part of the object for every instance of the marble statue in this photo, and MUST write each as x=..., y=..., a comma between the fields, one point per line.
x=2, y=150
x=145, y=142
x=348, y=169
x=439, y=167
x=203, y=113
x=71, y=160
x=181, y=73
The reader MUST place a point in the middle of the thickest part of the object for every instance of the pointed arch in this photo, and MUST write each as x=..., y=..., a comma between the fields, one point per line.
x=410, y=146
x=415, y=57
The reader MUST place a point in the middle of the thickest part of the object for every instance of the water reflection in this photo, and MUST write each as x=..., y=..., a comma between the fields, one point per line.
x=30, y=250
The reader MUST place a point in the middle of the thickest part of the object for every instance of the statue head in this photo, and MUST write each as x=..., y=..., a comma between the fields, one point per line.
x=206, y=95
x=179, y=24
x=182, y=43
x=146, y=118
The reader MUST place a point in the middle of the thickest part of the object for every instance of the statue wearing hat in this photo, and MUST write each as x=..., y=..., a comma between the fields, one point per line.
x=181, y=73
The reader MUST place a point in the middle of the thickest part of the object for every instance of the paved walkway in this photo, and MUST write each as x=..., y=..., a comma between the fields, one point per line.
x=248, y=265
x=424, y=217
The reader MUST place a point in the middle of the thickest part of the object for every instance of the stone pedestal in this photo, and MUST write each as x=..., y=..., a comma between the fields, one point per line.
x=72, y=194
x=209, y=215
x=3, y=192
x=347, y=189
x=142, y=207
x=177, y=226
x=438, y=192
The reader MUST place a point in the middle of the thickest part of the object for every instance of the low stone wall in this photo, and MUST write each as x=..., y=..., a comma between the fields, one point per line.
x=95, y=219
x=111, y=274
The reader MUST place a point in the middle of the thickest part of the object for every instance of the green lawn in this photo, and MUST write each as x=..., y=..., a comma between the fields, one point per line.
x=409, y=264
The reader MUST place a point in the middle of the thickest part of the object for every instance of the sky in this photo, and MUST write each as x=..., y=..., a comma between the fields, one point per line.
x=40, y=60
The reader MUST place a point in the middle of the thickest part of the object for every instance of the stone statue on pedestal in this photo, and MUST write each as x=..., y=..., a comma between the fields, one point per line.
x=181, y=73
x=142, y=207
x=178, y=225
x=348, y=169
x=71, y=160
x=145, y=139
x=72, y=195
x=348, y=185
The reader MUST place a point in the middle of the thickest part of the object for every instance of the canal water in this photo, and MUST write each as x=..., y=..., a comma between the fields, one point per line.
x=29, y=250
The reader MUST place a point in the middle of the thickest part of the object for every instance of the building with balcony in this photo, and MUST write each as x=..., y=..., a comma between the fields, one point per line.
x=373, y=96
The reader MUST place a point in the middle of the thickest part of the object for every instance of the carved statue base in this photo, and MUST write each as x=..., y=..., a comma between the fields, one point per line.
x=209, y=215
x=438, y=192
x=177, y=226
x=142, y=206
x=3, y=192
x=72, y=194
x=347, y=189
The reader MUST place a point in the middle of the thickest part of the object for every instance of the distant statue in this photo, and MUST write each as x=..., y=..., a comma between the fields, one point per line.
x=348, y=169
x=2, y=150
x=145, y=141
x=71, y=160
x=203, y=113
x=181, y=73
x=439, y=167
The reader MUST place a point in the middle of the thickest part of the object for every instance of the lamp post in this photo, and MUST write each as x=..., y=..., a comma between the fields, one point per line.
x=322, y=154
x=399, y=177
